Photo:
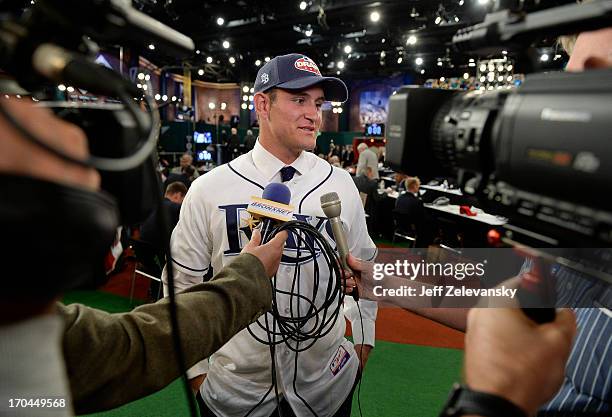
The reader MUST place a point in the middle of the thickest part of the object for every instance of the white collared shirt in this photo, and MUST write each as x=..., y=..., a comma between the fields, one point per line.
x=270, y=166
x=212, y=230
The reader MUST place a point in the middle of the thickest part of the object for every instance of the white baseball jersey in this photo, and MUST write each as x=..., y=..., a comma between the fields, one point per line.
x=213, y=229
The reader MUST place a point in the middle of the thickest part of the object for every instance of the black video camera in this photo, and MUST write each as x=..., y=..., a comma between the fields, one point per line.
x=537, y=155
x=55, y=42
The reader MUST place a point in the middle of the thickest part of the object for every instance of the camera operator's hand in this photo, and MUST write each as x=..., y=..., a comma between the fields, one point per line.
x=270, y=253
x=20, y=157
x=507, y=354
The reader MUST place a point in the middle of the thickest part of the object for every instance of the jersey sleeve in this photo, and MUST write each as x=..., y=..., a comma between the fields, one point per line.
x=191, y=247
x=191, y=242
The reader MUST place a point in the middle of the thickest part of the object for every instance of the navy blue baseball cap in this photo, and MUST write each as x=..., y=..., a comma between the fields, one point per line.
x=296, y=72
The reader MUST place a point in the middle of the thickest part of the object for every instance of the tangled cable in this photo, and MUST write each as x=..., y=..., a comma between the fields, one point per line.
x=300, y=331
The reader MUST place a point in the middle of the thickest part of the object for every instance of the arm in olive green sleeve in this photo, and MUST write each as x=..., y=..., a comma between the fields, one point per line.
x=113, y=359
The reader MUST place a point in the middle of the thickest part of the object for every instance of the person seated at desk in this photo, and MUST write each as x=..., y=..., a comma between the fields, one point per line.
x=400, y=182
x=335, y=161
x=184, y=177
x=410, y=212
x=185, y=162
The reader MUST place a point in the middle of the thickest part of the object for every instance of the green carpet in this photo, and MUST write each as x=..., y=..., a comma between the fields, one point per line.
x=102, y=300
x=400, y=380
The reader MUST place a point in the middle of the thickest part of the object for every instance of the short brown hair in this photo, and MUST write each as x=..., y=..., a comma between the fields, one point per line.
x=272, y=93
x=412, y=181
x=176, y=187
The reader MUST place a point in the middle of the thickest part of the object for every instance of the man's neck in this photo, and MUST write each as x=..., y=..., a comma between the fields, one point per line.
x=287, y=156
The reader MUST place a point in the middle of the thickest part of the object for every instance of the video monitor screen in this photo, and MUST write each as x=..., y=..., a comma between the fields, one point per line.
x=202, y=137
x=375, y=129
x=204, y=156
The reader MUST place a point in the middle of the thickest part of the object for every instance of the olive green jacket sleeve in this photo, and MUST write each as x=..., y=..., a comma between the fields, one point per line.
x=113, y=359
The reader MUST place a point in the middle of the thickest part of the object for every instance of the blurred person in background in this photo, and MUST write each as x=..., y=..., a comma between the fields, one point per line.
x=249, y=140
x=367, y=158
x=185, y=162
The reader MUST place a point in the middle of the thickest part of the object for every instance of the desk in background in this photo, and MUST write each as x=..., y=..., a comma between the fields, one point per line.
x=460, y=230
x=441, y=189
x=486, y=218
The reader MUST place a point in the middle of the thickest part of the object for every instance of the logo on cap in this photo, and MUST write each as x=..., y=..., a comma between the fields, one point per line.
x=306, y=64
x=265, y=78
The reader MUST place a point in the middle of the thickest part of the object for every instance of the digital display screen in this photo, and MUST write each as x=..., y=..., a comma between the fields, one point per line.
x=204, y=156
x=375, y=129
x=202, y=137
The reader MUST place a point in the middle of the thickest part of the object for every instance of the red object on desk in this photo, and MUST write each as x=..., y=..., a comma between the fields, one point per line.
x=466, y=210
x=494, y=238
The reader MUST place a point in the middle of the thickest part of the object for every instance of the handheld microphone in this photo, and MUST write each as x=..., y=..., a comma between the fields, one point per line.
x=272, y=207
x=332, y=207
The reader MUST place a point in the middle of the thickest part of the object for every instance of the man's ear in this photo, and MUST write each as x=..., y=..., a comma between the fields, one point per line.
x=262, y=105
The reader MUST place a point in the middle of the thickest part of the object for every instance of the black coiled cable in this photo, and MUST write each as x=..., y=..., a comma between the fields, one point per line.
x=300, y=331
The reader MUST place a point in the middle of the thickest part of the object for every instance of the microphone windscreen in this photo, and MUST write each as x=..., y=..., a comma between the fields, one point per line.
x=277, y=192
x=331, y=205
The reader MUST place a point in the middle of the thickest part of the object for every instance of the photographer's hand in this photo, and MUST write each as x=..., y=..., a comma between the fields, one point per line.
x=269, y=253
x=20, y=157
x=507, y=354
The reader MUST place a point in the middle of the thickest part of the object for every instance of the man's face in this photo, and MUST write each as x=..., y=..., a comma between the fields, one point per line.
x=186, y=161
x=592, y=50
x=176, y=197
x=295, y=117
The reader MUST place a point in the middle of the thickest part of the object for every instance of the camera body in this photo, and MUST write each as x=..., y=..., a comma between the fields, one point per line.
x=538, y=155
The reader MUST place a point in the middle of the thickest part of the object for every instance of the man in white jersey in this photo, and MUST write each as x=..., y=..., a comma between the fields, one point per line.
x=214, y=226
